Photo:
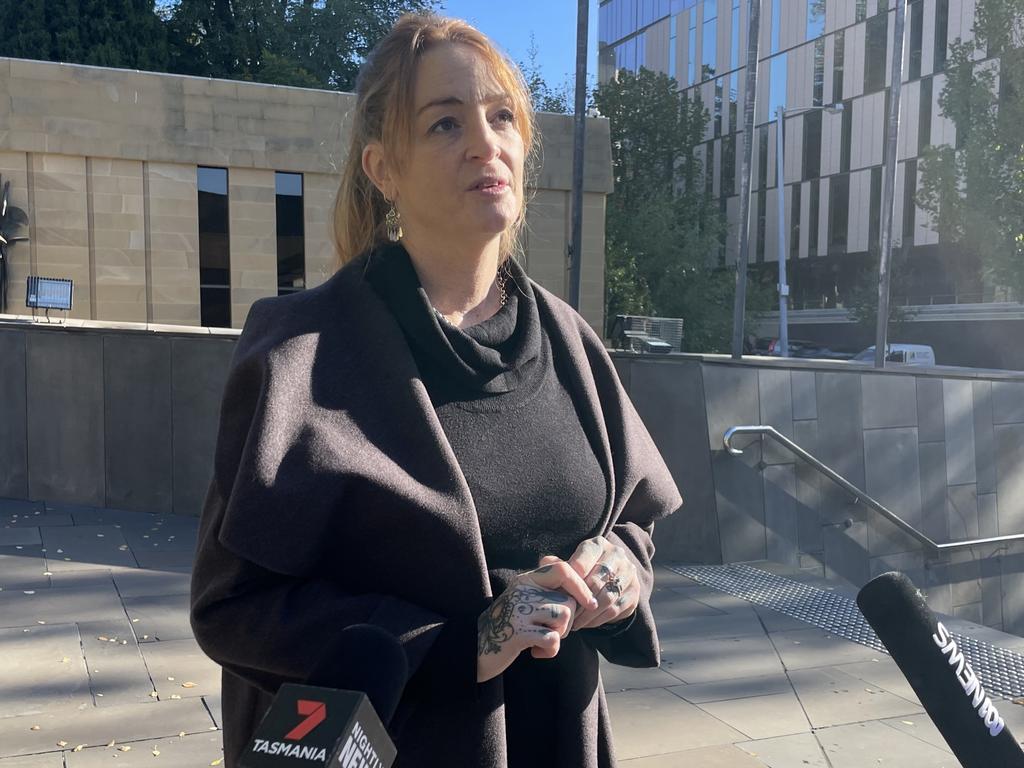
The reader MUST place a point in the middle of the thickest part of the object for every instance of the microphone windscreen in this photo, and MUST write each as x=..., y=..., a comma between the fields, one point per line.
x=936, y=669
x=366, y=658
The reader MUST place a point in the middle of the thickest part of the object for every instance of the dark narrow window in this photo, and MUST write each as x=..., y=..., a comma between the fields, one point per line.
x=837, y=67
x=729, y=165
x=718, y=105
x=709, y=40
x=909, y=206
x=817, y=99
x=794, y=225
x=860, y=10
x=691, y=49
x=214, y=248
x=762, y=221
x=846, y=139
x=672, y=46
x=734, y=55
x=875, y=33
x=875, y=211
x=762, y=157
x=734, y=81
x=709, y=169
x=838, y=212
x=291, y=241
x=812, y=145
x=723, y=235
x=813, y=212
x=815, y=19
x=776, y=24
x=941, y=31
x=916, y=32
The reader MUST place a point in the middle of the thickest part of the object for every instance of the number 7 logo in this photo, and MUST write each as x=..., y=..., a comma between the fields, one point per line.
x=315, y=712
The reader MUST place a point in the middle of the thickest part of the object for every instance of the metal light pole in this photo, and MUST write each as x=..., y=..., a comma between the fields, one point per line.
x=750, y=94
x=579, y=136
x=889, y=186
x=780, y=188
x=780, y=178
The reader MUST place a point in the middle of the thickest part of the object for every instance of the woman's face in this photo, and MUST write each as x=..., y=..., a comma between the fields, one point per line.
x=463, y=176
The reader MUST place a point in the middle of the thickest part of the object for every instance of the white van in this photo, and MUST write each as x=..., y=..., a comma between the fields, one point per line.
x=908, y=354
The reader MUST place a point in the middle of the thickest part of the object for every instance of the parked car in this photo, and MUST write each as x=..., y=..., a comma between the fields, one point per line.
x=908, y=354
x=799, y=348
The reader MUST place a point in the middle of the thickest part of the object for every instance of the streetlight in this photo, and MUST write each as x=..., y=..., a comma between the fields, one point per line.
x=780, y=183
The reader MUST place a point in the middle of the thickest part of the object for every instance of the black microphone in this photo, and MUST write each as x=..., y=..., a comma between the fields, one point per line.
x=936, y=669
x=339, y=717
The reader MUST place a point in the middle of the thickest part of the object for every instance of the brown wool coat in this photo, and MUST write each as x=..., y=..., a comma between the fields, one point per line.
x=336, y=499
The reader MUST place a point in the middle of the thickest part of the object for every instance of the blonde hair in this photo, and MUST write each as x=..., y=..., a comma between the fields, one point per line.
x=383, y=112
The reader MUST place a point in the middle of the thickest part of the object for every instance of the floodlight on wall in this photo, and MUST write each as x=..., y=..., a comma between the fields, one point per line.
x=48, y=293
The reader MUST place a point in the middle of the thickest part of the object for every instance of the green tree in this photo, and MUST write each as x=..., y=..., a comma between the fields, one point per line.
x=544, y=97
x=312, y=43
x=975, y=190
x=663, y=231
x=106, y=33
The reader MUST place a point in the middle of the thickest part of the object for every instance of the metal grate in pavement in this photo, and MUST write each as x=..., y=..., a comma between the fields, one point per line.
x=1000, y=670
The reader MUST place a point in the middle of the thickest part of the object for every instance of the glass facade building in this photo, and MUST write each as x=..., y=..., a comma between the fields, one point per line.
x=813, y=54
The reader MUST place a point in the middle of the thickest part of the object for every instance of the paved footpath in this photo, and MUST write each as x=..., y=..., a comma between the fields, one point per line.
x=98, y=666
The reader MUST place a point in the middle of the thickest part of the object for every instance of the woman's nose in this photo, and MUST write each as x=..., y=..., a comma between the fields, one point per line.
x=482, y=141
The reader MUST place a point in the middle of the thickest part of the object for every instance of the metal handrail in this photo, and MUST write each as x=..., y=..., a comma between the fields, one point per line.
x=858, y=494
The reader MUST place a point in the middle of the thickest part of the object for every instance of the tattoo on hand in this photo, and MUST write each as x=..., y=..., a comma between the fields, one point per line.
x=494, y=626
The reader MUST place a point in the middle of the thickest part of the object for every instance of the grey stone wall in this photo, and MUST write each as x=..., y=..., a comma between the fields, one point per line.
x=110, y=417
x=945, y=451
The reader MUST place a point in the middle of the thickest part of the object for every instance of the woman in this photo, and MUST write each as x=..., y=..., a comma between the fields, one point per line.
x=432, y=444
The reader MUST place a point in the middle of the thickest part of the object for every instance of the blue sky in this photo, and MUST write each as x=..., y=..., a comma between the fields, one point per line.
x=553, y=23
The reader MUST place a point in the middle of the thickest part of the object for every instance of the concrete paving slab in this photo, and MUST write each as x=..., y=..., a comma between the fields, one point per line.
x=213, y=705
x=712, y=597
x=10, y=537
x=86, y=546
x=920, y=727
x=773, y=621
x=672, y=603
x=22, y=608
x=726, y=625
x=705, y=757
x=52, y=760
x=189, y=751
x=10, y=507
x=117, y=671
x=882, y=672
x=665, y=578
x=180, y=668
x=761, y=717
x=89, y=577
x=42, y=669
x=143, y=582
x=833, y=697
x=37, y=519
x=161, y=560
x=801, y=750
x=707, y=660
x=617, y=678
x=808, y=648
x=23, y=567
x=98, y=725
x=737, y=688
x=646, y=723
x=160, y=617
x=862, y=744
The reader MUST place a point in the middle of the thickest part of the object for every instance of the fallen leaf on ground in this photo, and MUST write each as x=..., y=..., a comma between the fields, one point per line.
x=218, y=761
x=62, y=743
x=79, y=748
x=175, y=696
x=110, y=744
x=188, y=685
x=153, y=694
x=156, y=752
x=34, y=728
x=125, y=747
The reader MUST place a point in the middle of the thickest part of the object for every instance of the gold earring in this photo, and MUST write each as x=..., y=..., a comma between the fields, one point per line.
x=393, y=222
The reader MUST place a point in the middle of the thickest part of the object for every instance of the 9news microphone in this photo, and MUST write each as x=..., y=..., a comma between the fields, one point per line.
x=343, y=725
x=936, y=669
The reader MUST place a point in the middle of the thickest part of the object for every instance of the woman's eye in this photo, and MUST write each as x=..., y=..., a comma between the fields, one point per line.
x=506, y=116
x=443, y=126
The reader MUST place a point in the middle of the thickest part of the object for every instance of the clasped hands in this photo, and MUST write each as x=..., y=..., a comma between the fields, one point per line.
x=597, y=585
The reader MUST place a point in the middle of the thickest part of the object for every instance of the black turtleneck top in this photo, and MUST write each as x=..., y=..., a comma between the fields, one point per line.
x=506, y=408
